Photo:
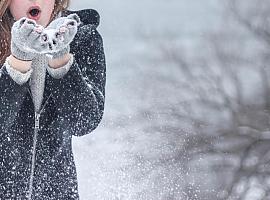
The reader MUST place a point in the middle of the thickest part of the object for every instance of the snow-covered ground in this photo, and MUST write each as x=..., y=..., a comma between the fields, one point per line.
x=121, y=160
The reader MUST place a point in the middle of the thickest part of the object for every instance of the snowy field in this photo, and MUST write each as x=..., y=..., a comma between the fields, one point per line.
x=122, y=159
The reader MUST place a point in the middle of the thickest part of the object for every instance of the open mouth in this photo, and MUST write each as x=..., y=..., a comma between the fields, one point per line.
x=34, y=13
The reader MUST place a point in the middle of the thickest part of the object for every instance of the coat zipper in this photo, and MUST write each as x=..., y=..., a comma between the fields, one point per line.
x=30, y=191
x=37, y=123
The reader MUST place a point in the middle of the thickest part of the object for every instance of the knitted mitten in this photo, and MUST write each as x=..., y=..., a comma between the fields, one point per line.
x=26, y=39
x=59, y=34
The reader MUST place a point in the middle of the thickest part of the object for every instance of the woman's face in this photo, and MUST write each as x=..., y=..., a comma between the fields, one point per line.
x=39, y=10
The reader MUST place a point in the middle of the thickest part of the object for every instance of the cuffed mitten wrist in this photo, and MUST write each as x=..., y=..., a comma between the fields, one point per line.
x=16, y=75
x=61, y=53
x=21, y=55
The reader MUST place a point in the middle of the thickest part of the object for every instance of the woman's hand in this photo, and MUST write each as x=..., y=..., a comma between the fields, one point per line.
x=59, y=34
x=26, y=40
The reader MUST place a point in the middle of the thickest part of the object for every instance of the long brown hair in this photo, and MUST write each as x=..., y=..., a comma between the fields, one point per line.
x=6, y=21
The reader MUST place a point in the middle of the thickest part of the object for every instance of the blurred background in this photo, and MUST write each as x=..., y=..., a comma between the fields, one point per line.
x=187, y=102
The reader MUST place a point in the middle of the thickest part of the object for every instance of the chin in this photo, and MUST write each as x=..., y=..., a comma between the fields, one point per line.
x=42, y=23
x=45, y=23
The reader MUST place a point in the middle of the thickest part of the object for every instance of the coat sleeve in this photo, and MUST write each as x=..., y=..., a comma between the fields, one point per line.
x=12, y=96
x=80, y=94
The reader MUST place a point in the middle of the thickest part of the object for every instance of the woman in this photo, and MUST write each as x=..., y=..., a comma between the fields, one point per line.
x=52, y=86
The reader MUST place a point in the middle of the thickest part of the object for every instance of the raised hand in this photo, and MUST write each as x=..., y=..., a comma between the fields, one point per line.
x=59, y=34
x=26, y=39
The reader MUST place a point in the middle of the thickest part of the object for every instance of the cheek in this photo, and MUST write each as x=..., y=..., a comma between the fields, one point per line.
x=49, y=5
x=17, y=9
x=47, y=11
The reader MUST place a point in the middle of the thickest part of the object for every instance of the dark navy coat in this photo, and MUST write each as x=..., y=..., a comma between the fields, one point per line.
x=72, y=106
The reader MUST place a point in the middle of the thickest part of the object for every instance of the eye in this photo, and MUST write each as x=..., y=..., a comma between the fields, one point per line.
x=57, y=35
x=72, y=23
x=30, y=22
x=22, y=21
x=45, y=37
